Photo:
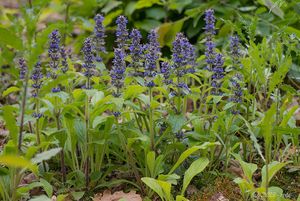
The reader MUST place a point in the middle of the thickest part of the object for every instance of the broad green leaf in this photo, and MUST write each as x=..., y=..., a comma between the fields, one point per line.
x=166, y=186
x=273, y=6
x=170, y=178
x=190, y=151
x=154, y=185
x=40, y=198
x=7, y=37
x=196, y=167
x=46, y=155
x=18, y=162
x=97, y=96
x=168, y=31
x=176, y=122
x=146, y=3
x=280, y=74
x=10, y=90
x=273, y=168
x=77, y=195
x=133, y=91
x=151, y=162
x=47, y=187
x=61, y=197
x=248, y=168
x=181, y=198
x=10, y=122
x=99, y=120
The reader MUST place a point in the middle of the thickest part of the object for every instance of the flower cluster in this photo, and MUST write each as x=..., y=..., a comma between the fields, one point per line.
x=64, y=62
x=54, y=49
x=152, y=54
x=23, y=68
x=236, y=80
x=117, y=72
x=183, y=55
x=136, y=51
x=99, y=36
x=166, y=72
x=122, y=31
x=214, y=60
x=88, y=63
x=36, y=78
x=235, y=47
x=218, y=74
x=54, y=54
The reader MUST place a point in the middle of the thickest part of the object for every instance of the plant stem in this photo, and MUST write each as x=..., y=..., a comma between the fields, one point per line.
x=151, y=126
x=87, y=135
x=23, y=104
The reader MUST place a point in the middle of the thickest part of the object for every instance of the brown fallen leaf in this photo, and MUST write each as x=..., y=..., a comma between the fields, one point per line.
x=107, y=196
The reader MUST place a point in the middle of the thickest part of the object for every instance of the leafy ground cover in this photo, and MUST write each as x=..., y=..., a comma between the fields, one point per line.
x=149, y=100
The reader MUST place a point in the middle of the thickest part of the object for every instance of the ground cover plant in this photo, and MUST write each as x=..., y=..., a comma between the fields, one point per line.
x=150, y=109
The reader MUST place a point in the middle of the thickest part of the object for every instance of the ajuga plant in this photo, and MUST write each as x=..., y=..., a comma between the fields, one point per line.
x=150, y=120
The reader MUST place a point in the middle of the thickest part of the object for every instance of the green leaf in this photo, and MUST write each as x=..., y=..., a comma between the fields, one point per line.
x=168, y=31
x=47, y=187
x=196, y=167
x=151, y=162
x=77, y=195
x=10, y=122
x=61, y=197
x=46, y=155
x=190, y=151
x=166, y=186
x=181, y=198
x=133, y=91
x=146, y=3
x=176, y=122
x=40, y=198
x=7, y=37
x=18, y=162
x=248, y=168
x=273, y=168
x=10, y=90
x=273, y=6
x=154, y=185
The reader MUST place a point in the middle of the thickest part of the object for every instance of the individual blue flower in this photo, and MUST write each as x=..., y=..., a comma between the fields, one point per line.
x=99, y=36
x=117, y=72
x=88, y=63
x=136, y=51
x=36, y=78
x=122, y=31
x=23, y=68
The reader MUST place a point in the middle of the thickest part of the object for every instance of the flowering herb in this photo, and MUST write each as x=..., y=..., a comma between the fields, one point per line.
x=218, y=74
x=23, y=68
x=36, y=78
x=166, y=72
x=122, y=31
x=236, y=80
x=136, y=51
x=99, y=36
x=210, y=32
x=183, y=56
x=152, y=53
x=88, y=63
x=117, y=72
x=54, y=55
x=64, y=62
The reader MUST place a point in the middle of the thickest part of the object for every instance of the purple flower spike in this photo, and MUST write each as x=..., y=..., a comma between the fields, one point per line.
x=122, y=31
x=88, y=64
x=117, y=72
x=23, y=68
